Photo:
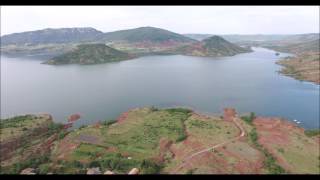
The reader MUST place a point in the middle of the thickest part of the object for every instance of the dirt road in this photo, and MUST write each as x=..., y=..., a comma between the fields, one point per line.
x=235, y=120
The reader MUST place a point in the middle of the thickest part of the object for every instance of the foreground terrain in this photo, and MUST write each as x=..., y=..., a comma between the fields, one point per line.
x=165, y=141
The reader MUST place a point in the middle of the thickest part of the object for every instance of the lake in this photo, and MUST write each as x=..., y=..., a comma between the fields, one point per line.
x=248, y=82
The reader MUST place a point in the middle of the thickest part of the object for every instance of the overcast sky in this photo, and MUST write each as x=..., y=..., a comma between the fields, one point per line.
x=180, y=19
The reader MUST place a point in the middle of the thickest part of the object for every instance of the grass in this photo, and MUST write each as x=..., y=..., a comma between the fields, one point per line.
x=312, y=132
x=99, y=157
x=17, y=126
x=249, y=119
x=142, y=134
x=269, y=162
x=138, y=137
x=34, y=162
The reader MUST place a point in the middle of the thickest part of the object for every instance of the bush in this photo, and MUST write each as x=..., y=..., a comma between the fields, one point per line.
x=181, y=138
x=270, y=163
x=77, y=164
x=94, y=164
x=61, y=135
x=43, y=169
x=179, y=110
x=253, y=136
x=312, y=132
x=190, y=171
x=249, y=119
x=252, y=116
x=31, y=163
x=109, y=122
x=82, y=126
x=150, y=167
x=153, y=109
x=54, y=127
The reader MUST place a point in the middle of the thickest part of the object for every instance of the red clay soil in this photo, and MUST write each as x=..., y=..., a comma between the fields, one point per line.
x=97, y=125
x=275, y=128
x=244, y=165
x=123, y=117
x=229, y=114
x=112, y=149
x=164, y=148
x=67, y=126
x=191, y=145
x=200, y=116
x=215, y=164
x=275, y=133
x=74, y=117
x=65, y=148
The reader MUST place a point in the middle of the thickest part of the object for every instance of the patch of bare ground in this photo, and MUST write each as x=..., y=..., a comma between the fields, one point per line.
x=292, y=149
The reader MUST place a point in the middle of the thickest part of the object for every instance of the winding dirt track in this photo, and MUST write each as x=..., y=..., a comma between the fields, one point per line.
x=235, y=120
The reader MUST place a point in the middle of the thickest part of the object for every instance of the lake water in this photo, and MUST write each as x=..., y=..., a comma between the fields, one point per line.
x=247, y=82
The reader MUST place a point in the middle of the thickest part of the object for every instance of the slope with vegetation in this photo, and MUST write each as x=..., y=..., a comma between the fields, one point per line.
x=214, y=46
x=160, y=140
x=90, y=54
x=26, y=141
x=51, y=36
x=305, y=65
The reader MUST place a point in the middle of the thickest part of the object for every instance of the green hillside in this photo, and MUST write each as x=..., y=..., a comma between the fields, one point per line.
x=90, y=54
x=297, y=48
x=143, y=34
x=212, y=46
x=50, y=35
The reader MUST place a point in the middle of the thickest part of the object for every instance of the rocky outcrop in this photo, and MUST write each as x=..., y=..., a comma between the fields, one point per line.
x=74, y=117
x=229, y=114
x=108, y=172
x=134, y=171
x=91, y=171
x=28, y=171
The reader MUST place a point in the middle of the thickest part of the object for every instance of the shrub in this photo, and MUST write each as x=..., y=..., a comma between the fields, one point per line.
x=94, y=164
x=252, y=116
x=181, y=138
x=190, y=171
x=254, y=137
x=180, y=110
x=54, y=127
x=77, y=164
x=61, y=135
x=44, y=169
x=270, y=163
x=249, y=119
x=82, y=126
x=150, y=167
x=312, y=132
x=109, y=122
x=153, y=109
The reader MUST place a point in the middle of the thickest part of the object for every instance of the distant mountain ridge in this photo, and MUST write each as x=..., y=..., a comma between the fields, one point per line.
x=261, y=39
x=71, y=35
x=142, y=34
x=297, y=48
x=51, y=35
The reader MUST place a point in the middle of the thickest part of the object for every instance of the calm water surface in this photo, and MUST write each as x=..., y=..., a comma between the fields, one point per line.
x=248, y=82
